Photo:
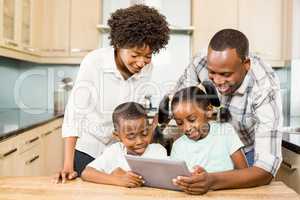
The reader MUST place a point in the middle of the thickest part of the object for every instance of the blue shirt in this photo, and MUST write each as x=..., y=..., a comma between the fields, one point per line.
x=212, y=152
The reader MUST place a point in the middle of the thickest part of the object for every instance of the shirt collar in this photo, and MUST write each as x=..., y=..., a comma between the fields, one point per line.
x=144, y=72
x=242, y=89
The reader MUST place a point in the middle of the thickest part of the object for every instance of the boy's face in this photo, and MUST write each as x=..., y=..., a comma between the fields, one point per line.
x=191, y=119
x=134, y=134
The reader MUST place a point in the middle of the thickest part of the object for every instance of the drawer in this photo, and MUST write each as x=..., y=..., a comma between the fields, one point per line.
x=29, y=139
x=289, y=171
x=51, y=126
x=9, y=147
x=30, y=163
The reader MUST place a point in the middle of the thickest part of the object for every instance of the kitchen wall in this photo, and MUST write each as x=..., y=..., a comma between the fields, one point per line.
x=295, y=67
x=30, y=85
x=9, y=72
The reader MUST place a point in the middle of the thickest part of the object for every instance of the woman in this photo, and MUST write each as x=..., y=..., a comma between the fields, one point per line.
x=136, y=33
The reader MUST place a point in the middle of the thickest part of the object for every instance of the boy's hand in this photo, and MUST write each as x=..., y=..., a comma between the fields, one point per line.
x=65, y=174
x=127, y=178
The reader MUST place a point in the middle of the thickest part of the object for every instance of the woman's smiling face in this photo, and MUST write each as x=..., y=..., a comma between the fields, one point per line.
x=132, y=60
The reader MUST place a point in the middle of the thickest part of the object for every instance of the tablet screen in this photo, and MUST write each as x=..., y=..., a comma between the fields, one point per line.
x=158, y=172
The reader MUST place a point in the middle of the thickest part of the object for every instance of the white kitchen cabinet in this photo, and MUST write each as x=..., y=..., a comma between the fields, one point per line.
x=84, y=37
x=8, y=157
x=36, y=152
x=289, y=171
x=9, y=23
x=210, y=16
x=30, y=162
x=55, y=29
x=52, y=148
x=16, y=24
x=267, y=24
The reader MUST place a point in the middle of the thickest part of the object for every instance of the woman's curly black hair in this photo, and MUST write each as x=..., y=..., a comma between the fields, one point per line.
x=137, y=26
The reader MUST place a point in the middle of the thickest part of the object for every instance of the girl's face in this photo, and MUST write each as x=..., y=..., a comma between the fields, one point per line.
x=131, y=61
x=191, y=119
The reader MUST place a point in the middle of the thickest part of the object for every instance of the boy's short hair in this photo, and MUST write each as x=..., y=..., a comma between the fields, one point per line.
x=128, y=110
x=137, y=26
x=233, y=39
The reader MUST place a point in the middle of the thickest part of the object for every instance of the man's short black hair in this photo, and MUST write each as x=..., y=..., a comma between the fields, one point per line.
x=137, y=26
x=232, y=39
x=129, y=111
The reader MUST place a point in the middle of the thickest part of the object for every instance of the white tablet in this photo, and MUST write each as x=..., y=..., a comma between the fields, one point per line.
x=158, y=173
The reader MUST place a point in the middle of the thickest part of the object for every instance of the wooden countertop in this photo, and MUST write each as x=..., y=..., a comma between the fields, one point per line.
x=41, y=188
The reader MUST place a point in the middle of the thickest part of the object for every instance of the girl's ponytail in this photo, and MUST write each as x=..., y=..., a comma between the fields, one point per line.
x=223, y=114
x=163, y=118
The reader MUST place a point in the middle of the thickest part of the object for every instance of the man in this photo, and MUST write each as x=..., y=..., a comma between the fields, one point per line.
x=249, y=88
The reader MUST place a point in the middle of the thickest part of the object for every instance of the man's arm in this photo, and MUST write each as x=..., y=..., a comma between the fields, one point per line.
x=190, y=77
x=202, y=181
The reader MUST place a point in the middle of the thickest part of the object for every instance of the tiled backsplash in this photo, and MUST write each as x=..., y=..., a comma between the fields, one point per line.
x=31, y=85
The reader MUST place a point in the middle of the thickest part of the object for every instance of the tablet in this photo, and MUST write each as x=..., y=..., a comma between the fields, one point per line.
x=158, y=173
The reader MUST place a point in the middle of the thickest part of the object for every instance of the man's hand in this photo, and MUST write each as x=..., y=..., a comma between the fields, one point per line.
x=127, y=178
x=198, y=183
x=67, y=173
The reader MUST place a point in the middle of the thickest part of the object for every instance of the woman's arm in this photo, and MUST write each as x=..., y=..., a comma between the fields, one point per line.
x=68, y=169
x=239, y=160
x=117, y=177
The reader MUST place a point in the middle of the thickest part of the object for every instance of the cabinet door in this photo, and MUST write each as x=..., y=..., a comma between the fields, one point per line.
x=1, y=22
x=289, y=171
x=84, y=35
x=8, y=157
x=55, y=30
x=262, y=22
x=53, y=151
x=210, y=16
x=26, y=26
x=9, y=23
x=30, y=163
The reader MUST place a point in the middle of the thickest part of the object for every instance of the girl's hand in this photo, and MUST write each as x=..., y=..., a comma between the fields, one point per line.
x=67, y=173
x=127, y=178
x=198, y=183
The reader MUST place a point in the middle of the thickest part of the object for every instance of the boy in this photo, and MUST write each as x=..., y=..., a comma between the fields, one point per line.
x=131, y=129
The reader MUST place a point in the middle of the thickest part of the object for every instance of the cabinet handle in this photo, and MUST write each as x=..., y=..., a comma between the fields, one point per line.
x=47, y=133
x=32, y=140
x=30, y=49
x=11, y=43
x=32, y=160
x=78, y=50
x=54, y=50
x=288, y=166
x=8, y=153
x=56, y=128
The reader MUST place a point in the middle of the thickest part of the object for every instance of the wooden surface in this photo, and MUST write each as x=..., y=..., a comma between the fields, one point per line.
x=33, y=188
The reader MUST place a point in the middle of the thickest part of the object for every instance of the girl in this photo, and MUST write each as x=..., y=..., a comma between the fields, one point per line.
x=213, y=145
x=136, y=33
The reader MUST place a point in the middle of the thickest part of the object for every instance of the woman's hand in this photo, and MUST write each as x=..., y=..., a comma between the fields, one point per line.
x=127, y=178
x=67, y=173
x=198, y=183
